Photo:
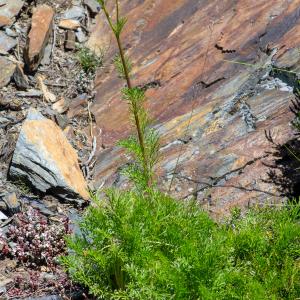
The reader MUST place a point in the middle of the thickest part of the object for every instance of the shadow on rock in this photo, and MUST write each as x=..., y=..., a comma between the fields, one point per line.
x=285, y=170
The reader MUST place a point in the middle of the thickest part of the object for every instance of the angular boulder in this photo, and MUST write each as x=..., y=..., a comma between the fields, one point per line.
x=44, y=158
x=38, y=37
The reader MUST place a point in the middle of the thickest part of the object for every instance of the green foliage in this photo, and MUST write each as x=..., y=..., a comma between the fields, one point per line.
x=120, y=67
x=89, y=60
x=140, y=172
x=142, y=244
x=133, y=248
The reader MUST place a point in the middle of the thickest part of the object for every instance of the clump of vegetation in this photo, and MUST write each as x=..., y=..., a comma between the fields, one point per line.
x=35, y=242
x=89, y=60
x=154, y=247
x=143, y=244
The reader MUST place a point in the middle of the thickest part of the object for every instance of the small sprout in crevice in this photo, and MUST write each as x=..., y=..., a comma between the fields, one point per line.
x=89, y=59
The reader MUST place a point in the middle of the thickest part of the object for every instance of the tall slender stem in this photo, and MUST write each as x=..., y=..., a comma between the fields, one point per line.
x=128, y=81
x=135, y=109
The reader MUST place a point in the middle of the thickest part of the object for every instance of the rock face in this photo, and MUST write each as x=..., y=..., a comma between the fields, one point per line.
x=38, y=37
x=7, y=71
x=212, y=112
x=44, y=158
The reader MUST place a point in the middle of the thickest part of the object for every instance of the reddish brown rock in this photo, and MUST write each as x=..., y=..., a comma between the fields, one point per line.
x=5, y=21
x=77, y=106
x=69, y=24
x=212, y=113
x=41, y=27
x=61, y=106
x=70, y=40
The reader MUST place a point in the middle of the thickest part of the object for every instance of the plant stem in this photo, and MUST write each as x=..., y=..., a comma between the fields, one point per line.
x=135, y=110
x=128, y=81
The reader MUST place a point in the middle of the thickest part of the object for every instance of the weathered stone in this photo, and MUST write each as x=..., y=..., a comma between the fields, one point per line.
x=6, y=43
x=93, y=7
x=77, y=106
x=10, y=8
x=70, y=40
x=190, y=81
x=30, y=93
x=20, y=78
x=5, y=21
x=75, y=13
x=69, y=24
x=12, y=104
x=47, y=55
x=44, y=158
x=7, y=71
x=41, y=27
x=61, y=106
x=11, y=32
x=62, y=121
x=80, y=36
x=12, y=203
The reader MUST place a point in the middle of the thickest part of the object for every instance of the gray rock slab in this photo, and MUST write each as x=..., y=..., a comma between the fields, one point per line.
x=80, y=36
x=44, y=159
x=6, y=43
x=93, y=7
x=30, y=93
x=74, y=13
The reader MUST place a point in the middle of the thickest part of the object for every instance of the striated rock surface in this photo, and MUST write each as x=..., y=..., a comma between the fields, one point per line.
x=44, y=158
x=211, y=111
x=41, y=27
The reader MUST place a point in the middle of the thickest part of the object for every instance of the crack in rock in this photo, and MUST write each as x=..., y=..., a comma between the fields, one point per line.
x=217, y=181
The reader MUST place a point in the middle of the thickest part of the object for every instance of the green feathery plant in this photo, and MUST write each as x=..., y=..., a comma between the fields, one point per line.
x=128, y=247
x=89, y=60
x=145, y=146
